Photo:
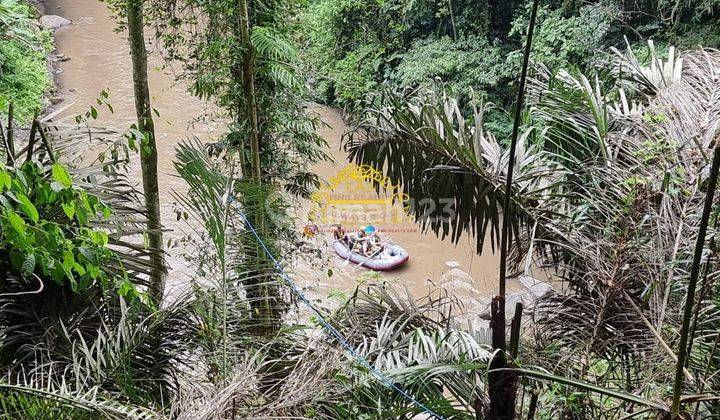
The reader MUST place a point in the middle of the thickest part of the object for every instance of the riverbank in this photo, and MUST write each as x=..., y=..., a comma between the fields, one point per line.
x=26, y=59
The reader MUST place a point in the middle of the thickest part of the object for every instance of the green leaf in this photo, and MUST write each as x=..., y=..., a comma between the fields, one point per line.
x=61, y=175
x=124, y=288
x=20, y=181
x=16, y=222
x=103, y=239
x=88, y=253
x=5, y=180
x=68, y=261
x=28, y=207
x=79, y=269
x=586, y=386
x=81, y=214
x=93, y=271
x=73, y=282
x=58, y=272
x=69, y=209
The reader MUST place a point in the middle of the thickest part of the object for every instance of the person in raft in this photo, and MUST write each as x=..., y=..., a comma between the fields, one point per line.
x=340, y=235
x=365, y=241
x=373, y=244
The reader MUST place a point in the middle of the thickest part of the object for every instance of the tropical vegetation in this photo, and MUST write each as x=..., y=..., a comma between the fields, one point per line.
x=605, y=180
x=355, y=47
x=24, y=76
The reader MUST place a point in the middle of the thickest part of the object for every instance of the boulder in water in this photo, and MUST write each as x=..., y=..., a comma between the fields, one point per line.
x=457, y=280
x=53, y=22
x=535, y=287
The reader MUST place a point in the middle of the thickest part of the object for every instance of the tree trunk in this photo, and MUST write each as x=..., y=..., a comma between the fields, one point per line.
x=502, y=383
x=249, y=87
x=9, y=141
x=452, y=20
x=262, y=293
x=148, y=149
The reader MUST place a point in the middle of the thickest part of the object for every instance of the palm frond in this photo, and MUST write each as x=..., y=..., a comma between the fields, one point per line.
x=53, y=402
x=452, y=172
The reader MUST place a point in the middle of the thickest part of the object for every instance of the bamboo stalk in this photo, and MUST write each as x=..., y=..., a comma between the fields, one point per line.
x=692, y=283
x=503, y=384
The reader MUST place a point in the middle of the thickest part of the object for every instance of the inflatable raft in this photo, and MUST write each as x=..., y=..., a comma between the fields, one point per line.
x=393, y=256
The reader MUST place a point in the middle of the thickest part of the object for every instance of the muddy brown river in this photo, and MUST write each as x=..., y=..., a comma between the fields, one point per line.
x=99, y=59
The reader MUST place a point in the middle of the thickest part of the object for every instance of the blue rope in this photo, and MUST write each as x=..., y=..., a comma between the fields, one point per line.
x=361, y=360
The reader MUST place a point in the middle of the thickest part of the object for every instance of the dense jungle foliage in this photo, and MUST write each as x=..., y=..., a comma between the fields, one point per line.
x=615, y=159
x=356, y=46
x=23, y=66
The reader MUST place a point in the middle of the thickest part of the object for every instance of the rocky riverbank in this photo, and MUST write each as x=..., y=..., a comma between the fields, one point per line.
x=51, y=22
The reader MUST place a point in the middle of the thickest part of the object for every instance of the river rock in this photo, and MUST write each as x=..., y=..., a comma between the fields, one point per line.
x=53, y=22
x=535, y=287
x=457, y=274
x=457, y=280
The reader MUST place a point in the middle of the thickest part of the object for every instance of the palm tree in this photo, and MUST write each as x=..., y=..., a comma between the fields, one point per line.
x=238, y=267
x=608, y=196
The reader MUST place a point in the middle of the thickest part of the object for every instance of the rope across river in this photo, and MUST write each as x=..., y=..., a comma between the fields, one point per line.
x=334, y=332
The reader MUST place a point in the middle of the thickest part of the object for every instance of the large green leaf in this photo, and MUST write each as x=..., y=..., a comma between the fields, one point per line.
x=61, y=175
x=28, y=207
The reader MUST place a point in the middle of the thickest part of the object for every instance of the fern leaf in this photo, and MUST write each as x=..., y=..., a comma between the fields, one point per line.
x=272, y=45
x=283, y=76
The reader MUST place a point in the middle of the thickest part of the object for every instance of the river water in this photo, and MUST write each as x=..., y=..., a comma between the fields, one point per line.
x=99, y=59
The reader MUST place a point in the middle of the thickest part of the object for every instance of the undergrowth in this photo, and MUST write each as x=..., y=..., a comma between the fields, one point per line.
x=23, y=60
